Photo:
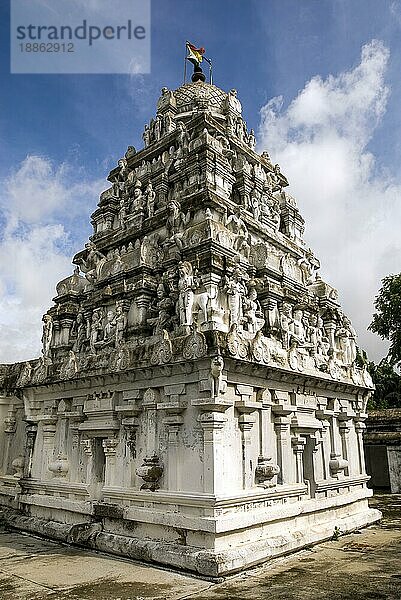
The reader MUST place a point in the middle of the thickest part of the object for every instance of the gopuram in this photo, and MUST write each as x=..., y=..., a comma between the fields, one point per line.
x=199, y=401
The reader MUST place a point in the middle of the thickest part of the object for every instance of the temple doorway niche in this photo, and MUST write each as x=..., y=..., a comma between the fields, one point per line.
x=98, y=468
x=309, y=464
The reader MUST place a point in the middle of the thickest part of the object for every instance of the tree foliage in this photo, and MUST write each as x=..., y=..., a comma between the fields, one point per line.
x=387, y=324
x=388, y=386
x=387, y=319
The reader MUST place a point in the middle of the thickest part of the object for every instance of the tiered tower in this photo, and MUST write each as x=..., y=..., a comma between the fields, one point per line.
x=199, y=401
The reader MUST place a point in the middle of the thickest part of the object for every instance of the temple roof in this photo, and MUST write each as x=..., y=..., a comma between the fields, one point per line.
x=191, y=94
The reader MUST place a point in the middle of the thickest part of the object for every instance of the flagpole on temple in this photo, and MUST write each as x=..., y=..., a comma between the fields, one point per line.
x=185, y=64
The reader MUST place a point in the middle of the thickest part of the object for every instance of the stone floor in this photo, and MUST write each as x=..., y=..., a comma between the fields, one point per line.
x=364, y=565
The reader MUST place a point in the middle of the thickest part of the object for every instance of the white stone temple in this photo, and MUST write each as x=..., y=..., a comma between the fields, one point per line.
x=199, y=401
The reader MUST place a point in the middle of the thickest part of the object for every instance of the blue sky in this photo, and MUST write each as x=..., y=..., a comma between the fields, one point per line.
x=74, y=129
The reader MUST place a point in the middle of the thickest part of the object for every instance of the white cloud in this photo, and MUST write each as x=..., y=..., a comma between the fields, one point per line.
x=40, y=205
x=350, y=205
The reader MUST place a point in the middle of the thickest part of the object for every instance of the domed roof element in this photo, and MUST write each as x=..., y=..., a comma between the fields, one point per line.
x=199, y=93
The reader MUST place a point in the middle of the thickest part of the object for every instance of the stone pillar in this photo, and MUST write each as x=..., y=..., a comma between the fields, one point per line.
x=173, y=423
x=87, y=447
x=344, y=433
x=48, y=432
x=246, y=406
x=325, y=437
x=359, y=429
x=212, y=424
x=284, y=454
x=246, y=422
x=298, y=445
x=31, y=432
x=10, y=427
x=110, y=447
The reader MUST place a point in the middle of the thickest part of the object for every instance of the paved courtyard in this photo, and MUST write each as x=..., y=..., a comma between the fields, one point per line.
x=365, y=565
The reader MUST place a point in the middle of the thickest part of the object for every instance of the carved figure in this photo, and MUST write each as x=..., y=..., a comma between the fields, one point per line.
x=150, y=196
x=95, y=329
x=182, y=137
x=236, y=225
x=232, y=101
x=252, y=140
x=217, y=384
x=186, y=293
x=93, y=262
x=120, y=324
x=47, y=335
x=81, y=329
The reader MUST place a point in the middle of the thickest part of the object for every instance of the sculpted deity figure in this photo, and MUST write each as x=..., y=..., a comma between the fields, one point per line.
x=47, y=335
x=137, y=203
x=253, y=319
x=275, y=215
x=169, y=124
x=71, y=366
x=122, y=216
x=110, y=327
x=236, y=291
x=266, y=156
x=252, y=139
x=286, y=323
x=297, y=327
x=186, y=286
x=150, y=196
x=26, y=374
x=239, y=129
x=164, y=308
x=158, y=128
x=232, y=101
x=120, y=324
x=352, y=339
x=93, y=262
x=146, y=136
x=217, y=384
x=182, y=137
x=255, y=205
x=95, y=329
x=176, y=222
x=81, y=329
x=236, y=225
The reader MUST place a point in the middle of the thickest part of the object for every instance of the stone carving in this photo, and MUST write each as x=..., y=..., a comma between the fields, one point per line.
x=92, y=265
x=80, y=330
x=218, y=384
x=70, y=367
x=150, y=196
x=151, y=472
x=251, y=140
x=47, y=336
x=176, y=223
x=182, y=137
x=163, y=350
x=265, y=471
x=186, y=286
x=233, y=103
x=253, y=319
x=194, y=346
x=26, y=374
x=237, y=226
x=18, y=465
x=164, y=309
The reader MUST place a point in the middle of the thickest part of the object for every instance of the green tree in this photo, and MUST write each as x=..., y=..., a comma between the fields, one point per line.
x=388, y=386
x=387, y=324
x=387, y=318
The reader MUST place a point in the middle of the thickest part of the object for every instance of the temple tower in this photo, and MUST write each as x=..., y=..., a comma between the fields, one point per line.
x=199, y=401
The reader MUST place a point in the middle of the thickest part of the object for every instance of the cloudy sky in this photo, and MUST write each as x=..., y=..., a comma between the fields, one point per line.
x=318, y=79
